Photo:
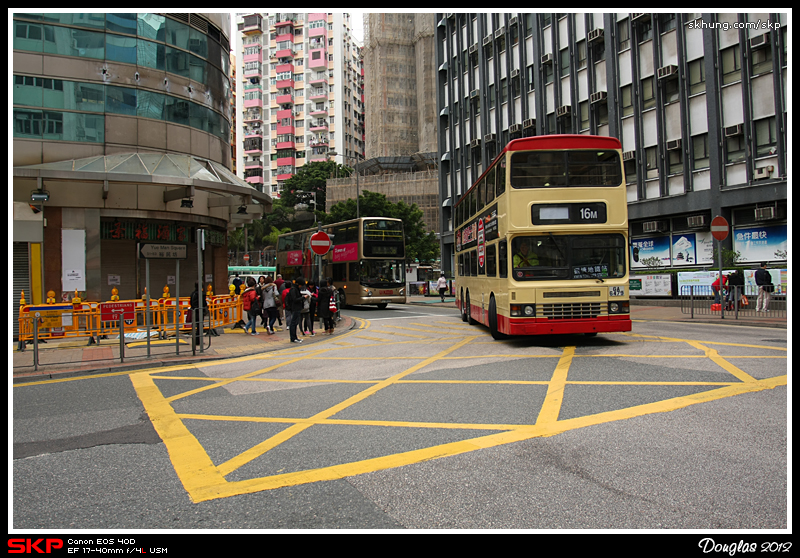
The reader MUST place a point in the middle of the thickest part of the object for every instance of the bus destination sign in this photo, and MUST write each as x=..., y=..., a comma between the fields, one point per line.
x=581, y=213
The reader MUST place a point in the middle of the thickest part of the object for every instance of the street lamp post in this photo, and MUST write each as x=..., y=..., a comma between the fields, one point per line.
x=358, y=187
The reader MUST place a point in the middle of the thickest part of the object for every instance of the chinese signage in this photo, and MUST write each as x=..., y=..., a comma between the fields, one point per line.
x=756, y=244
x=163, y=251
x=155, y=232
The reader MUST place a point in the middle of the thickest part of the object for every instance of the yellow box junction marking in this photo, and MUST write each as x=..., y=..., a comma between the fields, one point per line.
x=203, y=480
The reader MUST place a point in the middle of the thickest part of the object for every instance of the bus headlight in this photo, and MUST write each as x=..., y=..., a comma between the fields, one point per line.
x=523, y=310
x=621, y=307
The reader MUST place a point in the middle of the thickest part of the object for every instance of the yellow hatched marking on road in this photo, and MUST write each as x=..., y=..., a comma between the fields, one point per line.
x=354, y=422
x=370, y=338
x=403, y=334
x=555, y=389
x=236, y=462
x=436, y=332
x=713, y=355
x=205, y=481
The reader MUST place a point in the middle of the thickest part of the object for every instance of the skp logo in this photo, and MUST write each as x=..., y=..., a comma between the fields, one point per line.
x=29, y=546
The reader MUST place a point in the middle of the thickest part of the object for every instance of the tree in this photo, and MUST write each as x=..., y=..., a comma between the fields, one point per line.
x=310, y=178
x=420, y=244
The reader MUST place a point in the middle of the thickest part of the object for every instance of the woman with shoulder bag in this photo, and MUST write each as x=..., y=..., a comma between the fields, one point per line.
x=269, y=301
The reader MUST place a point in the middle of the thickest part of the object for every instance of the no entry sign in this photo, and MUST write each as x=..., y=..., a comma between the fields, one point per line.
x=320, y=243
x=719, y=228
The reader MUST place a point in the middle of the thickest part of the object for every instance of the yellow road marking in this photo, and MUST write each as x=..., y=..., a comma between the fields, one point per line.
x=236, y=462
x=713, y=355
x=677, y=340
x=226, y=381
x=464, y=446
x=403, y=334
x=204, y=481
x=422, y=330
x=555, y=389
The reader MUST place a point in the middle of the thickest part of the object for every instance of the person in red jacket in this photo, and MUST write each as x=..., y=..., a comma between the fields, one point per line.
x=249, y=300
x=715, y=286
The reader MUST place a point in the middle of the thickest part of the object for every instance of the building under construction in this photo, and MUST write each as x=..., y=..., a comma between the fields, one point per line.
x=412, y=179
x=400, y=115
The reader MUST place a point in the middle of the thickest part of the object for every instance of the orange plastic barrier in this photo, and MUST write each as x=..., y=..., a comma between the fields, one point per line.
x=59, y=321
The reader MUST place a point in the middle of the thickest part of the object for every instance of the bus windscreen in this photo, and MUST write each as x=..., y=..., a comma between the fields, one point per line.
x=560, y=169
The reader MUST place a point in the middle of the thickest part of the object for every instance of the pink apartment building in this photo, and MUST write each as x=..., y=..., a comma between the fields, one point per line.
x=299, y=94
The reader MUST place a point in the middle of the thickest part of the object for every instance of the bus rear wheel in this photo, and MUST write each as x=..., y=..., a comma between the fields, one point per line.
x=382, y=306
x=469, y=320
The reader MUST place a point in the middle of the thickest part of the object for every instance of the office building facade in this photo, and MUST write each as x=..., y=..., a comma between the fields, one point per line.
x=697, y=100
x=121, y=137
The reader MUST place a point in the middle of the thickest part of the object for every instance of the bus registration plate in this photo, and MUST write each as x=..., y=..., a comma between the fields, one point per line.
x=616, y=291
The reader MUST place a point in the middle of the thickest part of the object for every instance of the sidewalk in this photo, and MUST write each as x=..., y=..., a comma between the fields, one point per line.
x=74, y=357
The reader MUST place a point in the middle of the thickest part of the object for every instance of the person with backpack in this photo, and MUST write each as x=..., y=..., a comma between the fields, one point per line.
x=251, y=305
x=765, y=288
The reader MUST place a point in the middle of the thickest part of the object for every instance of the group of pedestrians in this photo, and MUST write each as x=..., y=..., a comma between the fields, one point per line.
x=734, y=284
x=297, y=302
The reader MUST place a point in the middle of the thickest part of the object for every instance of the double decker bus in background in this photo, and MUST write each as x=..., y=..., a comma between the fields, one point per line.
x=366, y=260
x=541, y=239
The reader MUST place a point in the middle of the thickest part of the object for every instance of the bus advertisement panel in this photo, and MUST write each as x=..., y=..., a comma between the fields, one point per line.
x=366, y=261
x=542, y=239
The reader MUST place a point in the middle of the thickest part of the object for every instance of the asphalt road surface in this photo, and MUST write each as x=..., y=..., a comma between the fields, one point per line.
x=415, y=420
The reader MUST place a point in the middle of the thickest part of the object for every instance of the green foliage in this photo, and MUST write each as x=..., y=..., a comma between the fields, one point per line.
x=730, y=257
x=271, y=239
x=420, y=244
x=310, y=178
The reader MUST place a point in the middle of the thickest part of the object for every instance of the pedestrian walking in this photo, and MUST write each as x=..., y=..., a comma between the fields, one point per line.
x=441, y=286
x=287, y=310
x=197, y=300
x=237, y=283
x=324, y=299
x=338, y=301
x=735, y=289
x=312, y=307
x=250, y=305
x=281, y=314
x=303, y=324
x=294, y=303
x=765, y=288
x=269, y=304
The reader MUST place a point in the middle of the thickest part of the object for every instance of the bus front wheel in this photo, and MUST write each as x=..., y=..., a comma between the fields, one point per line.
x=493, y=321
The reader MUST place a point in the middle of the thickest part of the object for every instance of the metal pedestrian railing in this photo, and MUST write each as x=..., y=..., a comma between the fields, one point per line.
x=165, y=318
x=737, y=302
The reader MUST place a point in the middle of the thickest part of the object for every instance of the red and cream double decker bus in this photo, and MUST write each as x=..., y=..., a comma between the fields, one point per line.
x=541, y=239
x=366, y=260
